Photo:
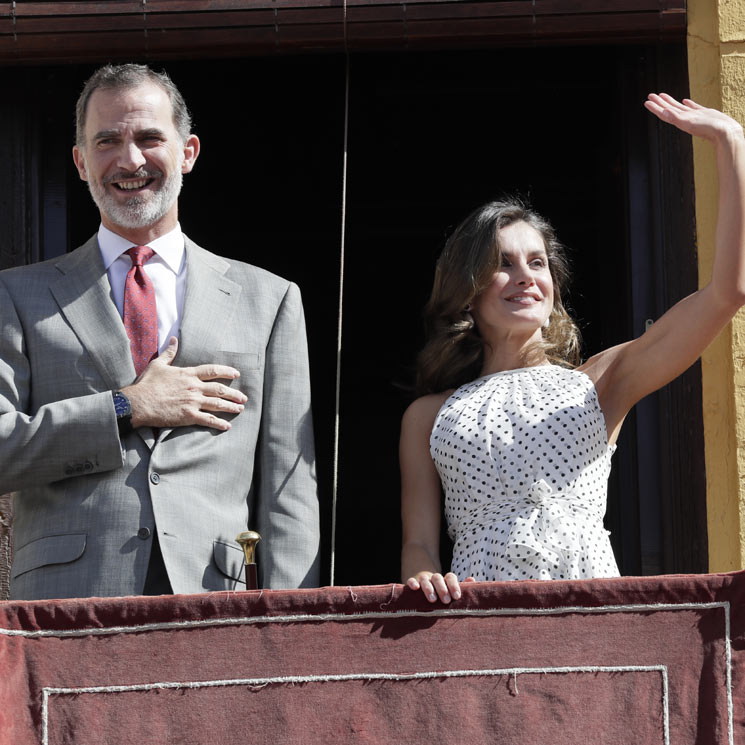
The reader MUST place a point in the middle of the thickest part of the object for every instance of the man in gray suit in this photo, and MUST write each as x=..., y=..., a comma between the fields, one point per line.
x=126, y=482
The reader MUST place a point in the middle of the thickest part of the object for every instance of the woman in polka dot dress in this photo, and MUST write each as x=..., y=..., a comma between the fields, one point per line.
x=512, y=428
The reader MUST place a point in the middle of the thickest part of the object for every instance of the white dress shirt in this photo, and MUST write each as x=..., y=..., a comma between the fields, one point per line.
x=166, y=269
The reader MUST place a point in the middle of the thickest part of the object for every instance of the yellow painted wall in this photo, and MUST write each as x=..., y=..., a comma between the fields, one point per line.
x=716, y=68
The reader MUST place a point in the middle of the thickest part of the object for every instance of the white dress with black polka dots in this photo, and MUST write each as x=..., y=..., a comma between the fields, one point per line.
x=524, y=459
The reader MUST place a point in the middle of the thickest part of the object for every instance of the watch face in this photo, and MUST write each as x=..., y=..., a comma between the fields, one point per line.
x=121, y=405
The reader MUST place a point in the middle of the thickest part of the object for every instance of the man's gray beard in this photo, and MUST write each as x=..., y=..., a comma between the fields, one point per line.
x=138, y=211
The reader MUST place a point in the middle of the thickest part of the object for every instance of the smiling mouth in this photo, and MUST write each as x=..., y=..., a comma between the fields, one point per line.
x=523, y=299
x=132, y=185
x=133, y=181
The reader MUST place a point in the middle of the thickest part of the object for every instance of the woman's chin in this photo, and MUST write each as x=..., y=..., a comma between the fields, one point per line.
x=526, y=320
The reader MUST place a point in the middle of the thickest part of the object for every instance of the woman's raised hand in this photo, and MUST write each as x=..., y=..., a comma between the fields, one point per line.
x=691, y=117
x=626, y=373
x=434, y=585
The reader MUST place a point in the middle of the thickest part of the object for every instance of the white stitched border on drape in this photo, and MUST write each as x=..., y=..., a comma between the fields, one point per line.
x=372, y=615
x=443, y=612
x=304, y=679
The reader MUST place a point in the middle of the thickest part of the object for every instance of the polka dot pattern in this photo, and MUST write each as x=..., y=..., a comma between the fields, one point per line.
x=140, y=315
x=524, y=462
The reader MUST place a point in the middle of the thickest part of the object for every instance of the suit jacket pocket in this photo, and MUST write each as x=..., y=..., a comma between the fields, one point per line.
x=229, y=560
x=242, y=361
x=50, y=549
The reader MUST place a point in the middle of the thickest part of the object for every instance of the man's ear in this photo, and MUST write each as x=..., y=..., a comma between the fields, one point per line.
x=191, y=153
x=79, y=158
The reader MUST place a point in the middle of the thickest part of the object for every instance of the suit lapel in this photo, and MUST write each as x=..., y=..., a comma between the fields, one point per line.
x=84, y=297
x=83, y=293
x=209, y=302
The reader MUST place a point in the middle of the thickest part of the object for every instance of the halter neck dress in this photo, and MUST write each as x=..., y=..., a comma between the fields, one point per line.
x=524, y=460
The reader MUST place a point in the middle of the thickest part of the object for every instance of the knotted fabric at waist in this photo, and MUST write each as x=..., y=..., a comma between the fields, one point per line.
x=545, y=527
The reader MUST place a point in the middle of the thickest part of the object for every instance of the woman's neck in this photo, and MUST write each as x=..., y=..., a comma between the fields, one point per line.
x=510, y=353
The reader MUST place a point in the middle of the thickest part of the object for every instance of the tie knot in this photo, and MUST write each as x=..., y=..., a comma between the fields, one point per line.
x=140, y=254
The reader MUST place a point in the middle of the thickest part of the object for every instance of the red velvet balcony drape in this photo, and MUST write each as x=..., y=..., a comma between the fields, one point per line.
x=642, y=660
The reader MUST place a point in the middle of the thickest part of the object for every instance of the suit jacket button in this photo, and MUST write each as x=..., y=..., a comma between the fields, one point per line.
x=143, y=533
x=155, y=478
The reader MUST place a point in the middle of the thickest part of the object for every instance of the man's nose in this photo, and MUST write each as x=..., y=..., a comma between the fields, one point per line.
x=130, y=157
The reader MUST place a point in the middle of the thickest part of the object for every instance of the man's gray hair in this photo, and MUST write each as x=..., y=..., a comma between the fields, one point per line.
x=120, y=77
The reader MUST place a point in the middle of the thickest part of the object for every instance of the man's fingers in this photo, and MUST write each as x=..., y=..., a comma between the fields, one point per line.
x=211, y=403
x=168, y=355
x=218, y=390
x=205, y=419
x=169, y=396
x=215, y=372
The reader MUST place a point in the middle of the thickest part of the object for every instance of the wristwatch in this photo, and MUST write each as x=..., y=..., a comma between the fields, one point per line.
x=123, y=411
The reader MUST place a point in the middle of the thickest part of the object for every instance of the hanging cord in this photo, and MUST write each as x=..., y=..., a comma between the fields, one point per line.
x=335, y=485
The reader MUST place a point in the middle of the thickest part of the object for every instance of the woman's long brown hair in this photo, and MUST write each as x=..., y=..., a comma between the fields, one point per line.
x=454, y=351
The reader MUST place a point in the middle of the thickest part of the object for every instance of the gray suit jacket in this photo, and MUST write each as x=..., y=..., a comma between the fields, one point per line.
x=86, y=502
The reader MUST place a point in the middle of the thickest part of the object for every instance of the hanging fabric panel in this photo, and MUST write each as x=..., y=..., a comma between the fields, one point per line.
x=646, y=660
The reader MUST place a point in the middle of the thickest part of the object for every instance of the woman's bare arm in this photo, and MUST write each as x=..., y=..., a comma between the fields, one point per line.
x=420, y=504
x=625, y=374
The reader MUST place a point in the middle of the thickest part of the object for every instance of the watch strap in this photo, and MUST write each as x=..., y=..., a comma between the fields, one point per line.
x=123, y=411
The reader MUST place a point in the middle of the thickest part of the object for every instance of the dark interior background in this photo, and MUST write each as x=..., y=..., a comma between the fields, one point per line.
x=431, y=136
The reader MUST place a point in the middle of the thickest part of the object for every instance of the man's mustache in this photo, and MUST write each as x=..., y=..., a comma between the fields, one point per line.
x=141, y=173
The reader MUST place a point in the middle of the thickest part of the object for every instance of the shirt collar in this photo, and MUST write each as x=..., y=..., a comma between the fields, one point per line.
x=168, y=247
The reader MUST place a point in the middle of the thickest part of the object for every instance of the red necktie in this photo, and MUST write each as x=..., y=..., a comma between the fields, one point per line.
x=140, y=315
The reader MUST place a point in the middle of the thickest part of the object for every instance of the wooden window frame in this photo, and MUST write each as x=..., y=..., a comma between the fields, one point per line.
x=44, y=32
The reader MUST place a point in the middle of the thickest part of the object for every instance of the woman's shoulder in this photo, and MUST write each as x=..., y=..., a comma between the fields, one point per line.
x=422, y=411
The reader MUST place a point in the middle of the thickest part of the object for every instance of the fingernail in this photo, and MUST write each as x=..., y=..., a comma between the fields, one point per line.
x=446, y=599
x=432, y=597
x=456, y=594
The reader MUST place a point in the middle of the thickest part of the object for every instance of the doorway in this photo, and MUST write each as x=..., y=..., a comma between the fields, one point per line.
x=431, y=136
